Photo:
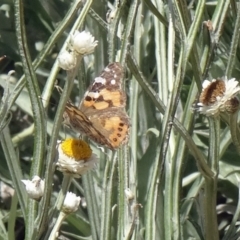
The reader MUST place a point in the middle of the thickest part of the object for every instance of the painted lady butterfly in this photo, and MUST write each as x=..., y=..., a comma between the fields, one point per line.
x=101, y=114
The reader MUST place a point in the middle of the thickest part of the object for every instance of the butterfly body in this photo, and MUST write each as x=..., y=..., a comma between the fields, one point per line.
x=101, y=114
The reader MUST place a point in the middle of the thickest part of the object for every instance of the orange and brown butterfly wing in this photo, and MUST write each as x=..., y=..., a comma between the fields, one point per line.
x=114, y=126
x=106, y=92
x=74, y=118
x=101, y=114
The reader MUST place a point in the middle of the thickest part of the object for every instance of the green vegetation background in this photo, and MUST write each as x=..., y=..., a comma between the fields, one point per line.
x=181, y=167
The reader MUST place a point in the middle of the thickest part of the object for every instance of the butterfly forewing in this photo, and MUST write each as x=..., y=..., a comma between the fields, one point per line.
x=106, y=90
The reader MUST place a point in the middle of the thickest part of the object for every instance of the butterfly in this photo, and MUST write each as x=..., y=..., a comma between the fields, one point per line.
x=101, y=114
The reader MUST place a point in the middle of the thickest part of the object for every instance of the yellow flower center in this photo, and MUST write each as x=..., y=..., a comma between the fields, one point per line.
x=76, y=148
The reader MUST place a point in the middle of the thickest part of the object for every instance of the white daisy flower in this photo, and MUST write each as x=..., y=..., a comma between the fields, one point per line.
x=34, y=188
x=67, y=60
x=71, y=203
x=218, y=96
x=83, y=42
x=75, y=157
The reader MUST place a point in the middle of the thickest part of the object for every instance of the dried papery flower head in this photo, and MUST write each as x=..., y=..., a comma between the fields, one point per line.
x=217, y=96
x=209, y=25
x=67, y=60
x=83, y=42
x=111, y=14
x=75, y=157
x=232, y=105
x=2, y=57
x=34, y=188
x=71, y=203
x=129, y=194
x=6, y=194
x=83, y=203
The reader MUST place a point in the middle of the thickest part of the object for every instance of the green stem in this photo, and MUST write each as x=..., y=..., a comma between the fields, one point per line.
x=233, y=125
x=14, y=168
x=38, y=111
x=210, y=197
x=58, y=205
x=234, y=46
x=92, y=203
x=122, y=185
x=55, y=230
x=107, y=196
